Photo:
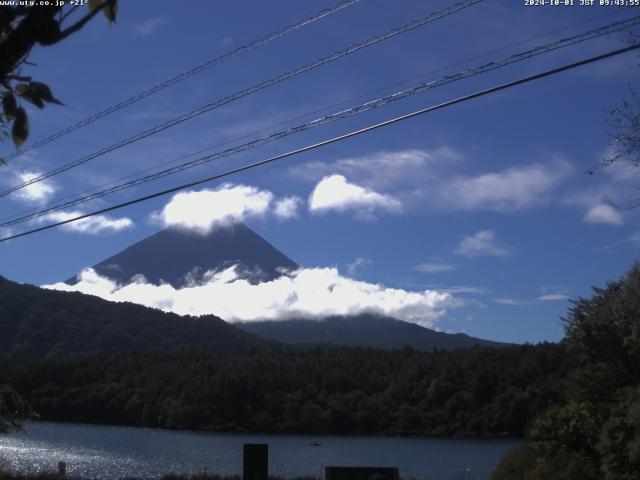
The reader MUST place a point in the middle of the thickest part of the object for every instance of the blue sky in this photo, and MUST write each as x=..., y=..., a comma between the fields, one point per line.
x=488, y=200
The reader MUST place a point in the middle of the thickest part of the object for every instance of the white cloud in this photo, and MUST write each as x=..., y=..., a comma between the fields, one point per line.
x=510, y=301
x=225, y=41
x=553, y=293
x=424, y=180
x=91, y=225
x=311, y=293
x=454, y=289
x=434, y=267
x=287, y=207
x=512, y=189
x=37, y=193
x=553, y=297
x=383, y=169
x=7, y=232
x=202, y=211
x=334, y=192
x=149, y=27
x=483, y=243
x=465, y=289
x=602, y=193
x=603, y=213
x=357, y=264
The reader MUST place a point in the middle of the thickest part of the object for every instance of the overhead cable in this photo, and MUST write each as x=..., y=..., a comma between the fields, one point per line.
x=246, y=48
x=323, y=109
x=356, y=110
x=323, y=143
x=248, y=91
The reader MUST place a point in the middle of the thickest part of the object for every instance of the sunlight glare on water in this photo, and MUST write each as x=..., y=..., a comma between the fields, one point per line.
x=112, y=452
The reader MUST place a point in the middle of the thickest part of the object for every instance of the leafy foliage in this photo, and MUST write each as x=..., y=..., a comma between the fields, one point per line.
x=624, y=137
x=240, y=382
x=13, y=409
x=595, y=432
x=578, y=402
x=37, y=323
x=23, y=26
x=480, y=391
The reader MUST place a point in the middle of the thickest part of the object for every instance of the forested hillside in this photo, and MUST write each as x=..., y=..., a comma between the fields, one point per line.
x=37, y=323
x=577, y=403
x=594, y=433
x=479, y=391
x=364, y=330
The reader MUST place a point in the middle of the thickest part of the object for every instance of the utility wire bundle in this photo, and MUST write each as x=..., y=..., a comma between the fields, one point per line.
x=248, y=91
x=356, y=110
x=249, y=47
x=345, y=113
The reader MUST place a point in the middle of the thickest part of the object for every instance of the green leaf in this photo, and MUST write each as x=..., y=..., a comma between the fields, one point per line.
x=30, y=94
x=93, y=4
x=5, y=31
x=9, y=105
x=110, y=10
x=20, y=130
x=37, y=101
x=42, y=91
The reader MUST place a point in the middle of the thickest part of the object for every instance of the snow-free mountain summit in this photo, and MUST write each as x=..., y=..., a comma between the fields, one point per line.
x=177, y=256
x=182, y=258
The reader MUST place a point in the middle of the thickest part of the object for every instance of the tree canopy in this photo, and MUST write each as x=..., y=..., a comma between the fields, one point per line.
x=595, y=432
x=22, y=27
x=624, y=134
x=13, y=409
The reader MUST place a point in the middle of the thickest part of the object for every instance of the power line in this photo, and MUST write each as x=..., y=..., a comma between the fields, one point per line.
x=248, y=91
x=339, y=138
x=339, y=115
x=365, y=95
x=246, y=48
x=356, y=110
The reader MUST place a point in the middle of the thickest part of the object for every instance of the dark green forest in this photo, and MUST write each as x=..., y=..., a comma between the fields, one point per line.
x=576, y=404
x=39, y=323
x=594, y=432
x=475, y=392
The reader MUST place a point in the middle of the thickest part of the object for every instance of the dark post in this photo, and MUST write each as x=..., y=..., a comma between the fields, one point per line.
x=255, y=461
x=62, y=469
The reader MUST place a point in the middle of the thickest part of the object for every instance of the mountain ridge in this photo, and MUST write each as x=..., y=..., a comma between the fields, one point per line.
x=183, y=253
x=236, y=244
x=41, y=323
x=348, y=331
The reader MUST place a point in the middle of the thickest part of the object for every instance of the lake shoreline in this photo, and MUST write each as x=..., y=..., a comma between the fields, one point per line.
x=8, y=475
x=117, y=452
x=304, y=434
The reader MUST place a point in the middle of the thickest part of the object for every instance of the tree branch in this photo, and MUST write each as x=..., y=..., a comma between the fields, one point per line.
x=71, y=10
x=20, y=78
x=24, y=37
x=83, y=21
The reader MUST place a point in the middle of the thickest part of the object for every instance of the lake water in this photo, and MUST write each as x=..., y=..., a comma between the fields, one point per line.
x=110, y=452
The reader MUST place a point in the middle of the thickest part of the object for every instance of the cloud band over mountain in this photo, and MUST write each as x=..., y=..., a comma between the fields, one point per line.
x=307, y=293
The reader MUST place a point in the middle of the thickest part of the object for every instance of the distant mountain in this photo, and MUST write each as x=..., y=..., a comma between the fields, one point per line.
x=177, y=256
x=362, y=331
x=174, y=256
x=39, y=323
